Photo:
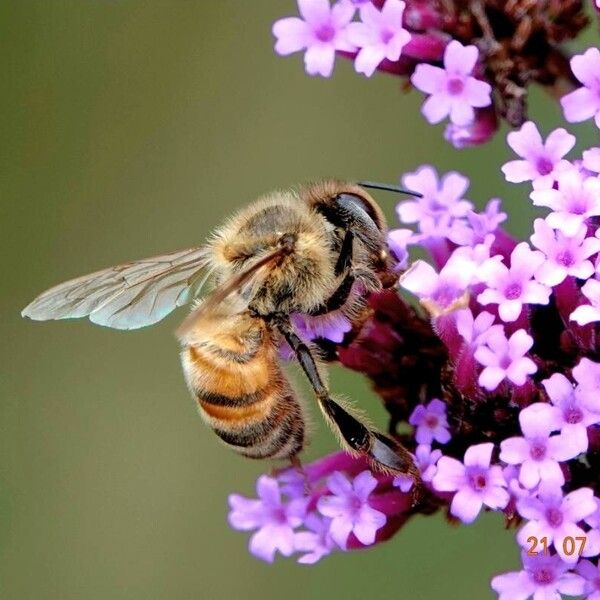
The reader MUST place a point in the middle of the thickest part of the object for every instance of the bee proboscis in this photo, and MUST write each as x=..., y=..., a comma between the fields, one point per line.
x=309, y=252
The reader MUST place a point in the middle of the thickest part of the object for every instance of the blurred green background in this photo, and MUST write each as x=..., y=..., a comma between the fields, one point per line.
x=129, y=128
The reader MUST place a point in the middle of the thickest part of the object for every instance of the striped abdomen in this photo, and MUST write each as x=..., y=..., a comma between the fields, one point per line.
x=232, y=369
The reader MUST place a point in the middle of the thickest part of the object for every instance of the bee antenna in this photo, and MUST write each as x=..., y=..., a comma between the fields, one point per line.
x=388, y=187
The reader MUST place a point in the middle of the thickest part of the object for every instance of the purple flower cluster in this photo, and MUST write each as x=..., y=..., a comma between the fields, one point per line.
x=450, y=52
x=512, y=424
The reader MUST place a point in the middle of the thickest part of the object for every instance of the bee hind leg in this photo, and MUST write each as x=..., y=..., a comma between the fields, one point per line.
x=383, y=452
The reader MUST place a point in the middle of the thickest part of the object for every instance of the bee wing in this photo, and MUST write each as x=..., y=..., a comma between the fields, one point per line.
x=128, y=296
x=234, y=294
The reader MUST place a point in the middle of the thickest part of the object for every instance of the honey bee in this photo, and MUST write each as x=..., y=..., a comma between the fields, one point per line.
x=305, y=252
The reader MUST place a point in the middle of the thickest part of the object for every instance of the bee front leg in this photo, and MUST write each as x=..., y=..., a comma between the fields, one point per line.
x=384, y=453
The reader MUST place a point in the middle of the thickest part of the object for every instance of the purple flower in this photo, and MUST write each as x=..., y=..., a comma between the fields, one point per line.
x=481, y=224
x=431, y=423
x=591, y=160
x=453, y=91
x=380, y=35
x=541, y=161
x=505, y=359
x=537, y=451
x=426, y=461
x=565, y=255
x=274, y=520
x=398, y=240
x=587, y=375
x=575, y=200
x=574, y=415
x=441, y=199
x=316, y=542
x=440, y=292
x=588, y=313
x=584, y=102
x=543, y=576
x=331, y=326
x=475, y=330
x=473, y=134
x=349, y=510
x=475, y=482
x=591, y=574
x=512, y=287
x=322, y=31
x=555, y=517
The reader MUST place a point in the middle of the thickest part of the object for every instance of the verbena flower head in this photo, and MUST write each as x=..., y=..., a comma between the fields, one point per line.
x=489, y=346
x=476, y=65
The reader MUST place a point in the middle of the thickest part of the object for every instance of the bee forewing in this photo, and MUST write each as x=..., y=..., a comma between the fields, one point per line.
x=127, y=296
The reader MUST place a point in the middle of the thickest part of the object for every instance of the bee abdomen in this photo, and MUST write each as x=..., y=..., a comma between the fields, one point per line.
x=249, y=405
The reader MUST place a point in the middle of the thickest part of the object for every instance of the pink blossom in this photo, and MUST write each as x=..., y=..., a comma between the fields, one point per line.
x=591, y=574
x=505, y=358
x=575, y=200
x=541, y=161
x=453, y=90
x=321, y=31
x=512, y=287
x=316, y=542
x=587, y=375
x=475, y=330
x=565, y=255
x=591, y=160
x=475, y=482
x=379, y=36
x=441, y=202
x=426, y=460
x=274, y=520
x=398, y=241
x=537, y=451
x=330, y=326
x=588, y=313
x=349, y=510
x=575, y=417
x=478, y=132
x=584, y=102
x=443, y=290
x=544, y=577
x=555, y=517
x=430, y=422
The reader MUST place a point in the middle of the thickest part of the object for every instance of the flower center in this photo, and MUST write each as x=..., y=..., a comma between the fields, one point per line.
x=478, y=481
x=544, y=165
x=445, y=296
x=537, y=450
x=543, y=576
x=354, y=504
x=278, y=515
x=577, y=206
x=505, y=362
x=513, y=291
x=431, y=421
x=386, y=35
x=325, y=33
x=554, y=517
x=573, y=415
x=455, y=86
x=565, y=258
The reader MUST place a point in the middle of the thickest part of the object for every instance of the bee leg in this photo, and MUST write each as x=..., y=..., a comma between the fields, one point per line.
x=344, y=260
x=382, y=451
x=297, y=466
